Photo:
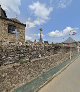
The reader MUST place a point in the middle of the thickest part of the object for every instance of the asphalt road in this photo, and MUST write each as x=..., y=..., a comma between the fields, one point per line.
x=67, y=81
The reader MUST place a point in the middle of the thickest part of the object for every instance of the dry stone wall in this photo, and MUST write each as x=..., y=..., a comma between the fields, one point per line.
x=13, y=54
x=15, y=75
x=22, y=70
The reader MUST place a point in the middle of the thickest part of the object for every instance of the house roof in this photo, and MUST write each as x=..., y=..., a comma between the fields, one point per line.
x=69, y=40
x=4, y=16
x=13, y=21
x=2, y=13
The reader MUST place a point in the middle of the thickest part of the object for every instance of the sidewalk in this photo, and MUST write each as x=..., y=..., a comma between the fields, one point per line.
x=67, y=81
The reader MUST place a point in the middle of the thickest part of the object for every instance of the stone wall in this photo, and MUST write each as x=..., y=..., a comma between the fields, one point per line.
x=13, y=54
x=8, y=37
x=15, y=75
x=20, y=65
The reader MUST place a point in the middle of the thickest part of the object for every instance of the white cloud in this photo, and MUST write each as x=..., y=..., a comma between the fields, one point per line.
x=11, y=5
x=39, y=21
x=39, y=35
x=66, y=31
x=60, y=3
x=55, y=34
x=41, y=12
x=64, y=3
x=69, y=30
x=32, y=24
x=28, y=38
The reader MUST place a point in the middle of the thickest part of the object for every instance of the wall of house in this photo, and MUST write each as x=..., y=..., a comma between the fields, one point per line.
x=8, y=37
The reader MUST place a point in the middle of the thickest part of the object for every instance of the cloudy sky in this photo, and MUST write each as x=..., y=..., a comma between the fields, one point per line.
x=57, y=18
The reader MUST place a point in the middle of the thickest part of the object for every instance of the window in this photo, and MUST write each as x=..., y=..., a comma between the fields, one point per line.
x=11, y=29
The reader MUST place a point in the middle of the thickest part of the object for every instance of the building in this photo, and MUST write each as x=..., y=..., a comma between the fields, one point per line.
x=70, y=42
x=29, y=43
x=11, y=29
x=46, y=42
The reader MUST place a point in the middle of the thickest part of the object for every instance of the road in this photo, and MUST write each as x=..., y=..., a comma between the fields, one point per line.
x=67, y=81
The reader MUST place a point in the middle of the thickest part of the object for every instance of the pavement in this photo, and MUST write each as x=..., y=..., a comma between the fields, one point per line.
x=67, y=81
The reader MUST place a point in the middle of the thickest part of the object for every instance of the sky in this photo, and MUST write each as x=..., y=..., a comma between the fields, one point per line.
x=59, y=19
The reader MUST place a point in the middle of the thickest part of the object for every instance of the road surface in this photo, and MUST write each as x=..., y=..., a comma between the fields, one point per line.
x=67, y=81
